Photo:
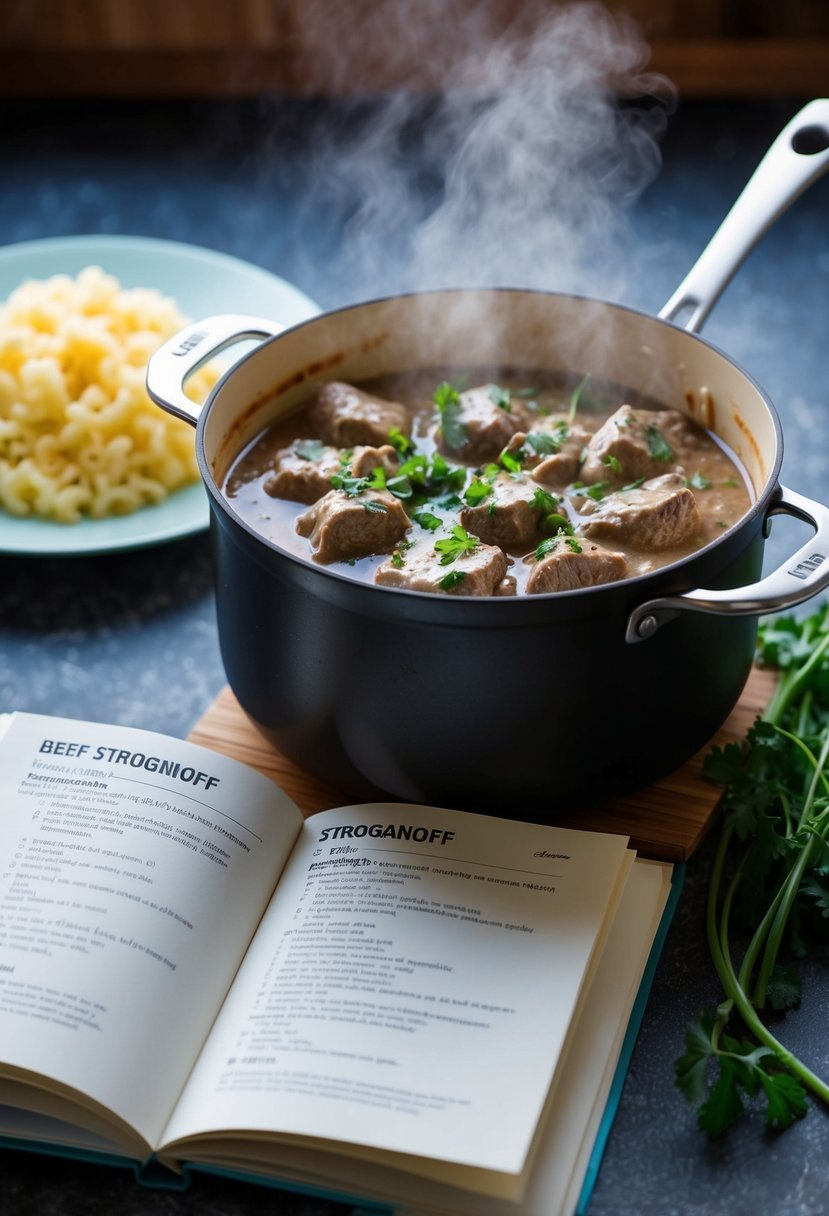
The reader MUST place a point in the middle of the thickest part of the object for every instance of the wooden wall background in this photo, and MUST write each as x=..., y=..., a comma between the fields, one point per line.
x=245, y=47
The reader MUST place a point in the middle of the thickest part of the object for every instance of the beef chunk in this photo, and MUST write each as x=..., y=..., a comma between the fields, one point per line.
x=303, y=471
x=341, y=526
x=637, y=443
x=512, y=513
x=365, y=460
x=659, y=514
x=417, y=567
x=573, y=563
x=480, y=429
x=344, y=415
x=552, y=451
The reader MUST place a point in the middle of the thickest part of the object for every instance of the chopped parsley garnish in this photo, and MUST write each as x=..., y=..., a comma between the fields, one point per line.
x=400, y=487
x=429, y=477
x=401, y=443
x=427, y=520
x=732, y=483
x=375, y=507
x=397, y=558
x=598, y=490
x=512, y=461
x=500, y=397
x=548, y=443
x=698, y=482
x=352, y=486
x=543, y=500
x=632, y=485
x=455, y=545
x=310, y=449
x=346, y=456
x=452, y=503
x=657, y=446
x=575, y=396
x=377, y=481
x=448, y=401
x=476, y=492
x=613, y=463
x=546, y=547
x=452, y=579
x=564, y=532
x=446, y=476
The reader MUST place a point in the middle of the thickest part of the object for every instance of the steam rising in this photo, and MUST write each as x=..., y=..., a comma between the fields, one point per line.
x=519, y=172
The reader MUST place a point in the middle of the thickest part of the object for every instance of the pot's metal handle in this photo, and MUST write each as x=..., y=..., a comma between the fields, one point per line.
x=798, y=156
x=799, y=578
x=180, y=355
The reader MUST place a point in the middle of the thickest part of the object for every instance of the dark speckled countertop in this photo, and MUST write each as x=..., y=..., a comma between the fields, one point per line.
x=132, y=637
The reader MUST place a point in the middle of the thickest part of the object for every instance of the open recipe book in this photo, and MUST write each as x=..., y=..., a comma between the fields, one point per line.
x=418, y=1007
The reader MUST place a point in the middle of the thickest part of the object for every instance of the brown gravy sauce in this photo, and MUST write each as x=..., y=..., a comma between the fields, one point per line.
x=724, y=500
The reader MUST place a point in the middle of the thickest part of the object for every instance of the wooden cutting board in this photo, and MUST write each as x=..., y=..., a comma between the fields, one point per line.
x=666, y=820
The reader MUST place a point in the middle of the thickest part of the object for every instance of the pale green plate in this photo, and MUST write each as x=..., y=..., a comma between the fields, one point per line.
x=202, y=282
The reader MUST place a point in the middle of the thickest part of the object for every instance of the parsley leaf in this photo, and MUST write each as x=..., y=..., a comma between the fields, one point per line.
x=476, y=492
x=451, y=580
x=698, y=482
x=598, y=490
x=512, y=461
x=352, y=486
x=546, y=547
x=500, y=397
x=401, y=443
x=658, y=446
x=548, y=443
x=543, y=500
x=448, y=401
x=613, y=463
x=427, y=520
x=377, y=508
x=456, y=544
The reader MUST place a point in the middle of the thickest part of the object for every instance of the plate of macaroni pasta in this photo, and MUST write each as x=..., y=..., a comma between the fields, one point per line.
x=88, y=464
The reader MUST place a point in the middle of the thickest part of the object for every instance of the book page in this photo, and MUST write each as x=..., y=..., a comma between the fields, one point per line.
x=133, y=871
x=564, y=1151
x=411, y=986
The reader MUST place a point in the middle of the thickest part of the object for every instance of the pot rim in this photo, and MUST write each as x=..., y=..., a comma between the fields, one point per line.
x=646, y=581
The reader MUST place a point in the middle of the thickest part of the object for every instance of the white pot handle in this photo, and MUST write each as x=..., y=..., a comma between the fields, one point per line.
x=795, y=160
x=799, y=578
x=180, y=355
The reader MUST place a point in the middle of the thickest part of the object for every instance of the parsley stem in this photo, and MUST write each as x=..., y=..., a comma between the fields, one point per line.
x=718, y=945
x=792, y=682
x=781, y=918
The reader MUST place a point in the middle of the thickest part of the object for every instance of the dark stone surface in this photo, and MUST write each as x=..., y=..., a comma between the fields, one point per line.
x=132, y=638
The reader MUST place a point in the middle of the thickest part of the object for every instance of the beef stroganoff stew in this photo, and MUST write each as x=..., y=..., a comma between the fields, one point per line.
x=487, y=482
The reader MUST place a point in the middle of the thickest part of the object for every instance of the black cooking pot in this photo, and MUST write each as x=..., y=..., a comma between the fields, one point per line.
x=525, y=706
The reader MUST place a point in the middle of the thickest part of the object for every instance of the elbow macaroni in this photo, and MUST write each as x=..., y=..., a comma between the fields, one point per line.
x=79, y=435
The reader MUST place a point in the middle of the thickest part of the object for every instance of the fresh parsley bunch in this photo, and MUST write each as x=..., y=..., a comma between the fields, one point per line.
x=769, y=886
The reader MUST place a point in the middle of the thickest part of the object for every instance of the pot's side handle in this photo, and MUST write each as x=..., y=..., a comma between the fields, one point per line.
x=180, y=355
x=799, y=578
x=798, y=156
